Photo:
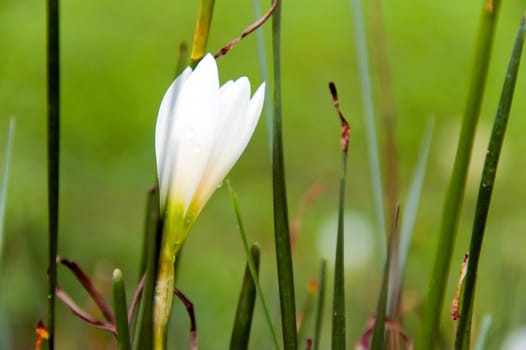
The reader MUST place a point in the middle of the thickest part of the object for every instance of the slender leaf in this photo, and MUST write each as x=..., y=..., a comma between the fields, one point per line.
x=281, y=219
x=4, y=330
x=455, y=193
x=5, y=177
x=120, y=310
x=486, y=187
x=378, y=337
x=251, y=263
x=262, y=58
x=369, y=120
x=245, y=306
x=408, y=220
x=482, y=337
x=53, y=155
x=338, y=306
x=322, y=281
x=143, y=330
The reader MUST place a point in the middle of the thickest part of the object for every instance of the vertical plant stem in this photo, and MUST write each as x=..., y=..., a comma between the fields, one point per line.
x=202, y=30
x=4, y=180
x=455, y=194
x=320, y=306
x=281, y=220
x=370, y=127
x=120, y=311
x=53, y=131
x=407, y=223
x=262, y=58
x=251, y=264
x=378, y=337
x=338, y=307
x=482, y=338
x=386, y=104
x=486, y=188
x=143, y=334
x=245, y=306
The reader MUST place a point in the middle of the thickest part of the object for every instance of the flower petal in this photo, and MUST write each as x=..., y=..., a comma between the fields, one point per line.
x=196, y=117
x=233, y=136
x=163, y=130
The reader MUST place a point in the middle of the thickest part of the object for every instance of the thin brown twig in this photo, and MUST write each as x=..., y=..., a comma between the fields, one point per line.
x=193, y=326
x=249, y=30
x=136, y=298
x=90, y=288
x=83, y=315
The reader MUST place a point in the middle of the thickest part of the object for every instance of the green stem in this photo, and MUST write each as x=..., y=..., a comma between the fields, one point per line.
x=251, y=264
x=378, y=336
x=320, y=306
x=370, y=126
x=120, y=310
x=281, y=221
x=245, y=306
x=455, y=194
x=53, y=120
x=202, y=30
x=164, y=291
x=486, y=189
x=338, y=307
x=152, y=238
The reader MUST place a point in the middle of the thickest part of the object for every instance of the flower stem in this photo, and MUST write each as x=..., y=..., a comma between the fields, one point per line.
x=455, y=194
x=53, y=120
x=121, y=315
x=281, y=220
x=202, y=30
x=175, y=229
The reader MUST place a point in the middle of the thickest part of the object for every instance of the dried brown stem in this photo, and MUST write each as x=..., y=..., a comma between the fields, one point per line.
x=193, y=326
x=249, y=30
x=90, y=288
x=77, y=311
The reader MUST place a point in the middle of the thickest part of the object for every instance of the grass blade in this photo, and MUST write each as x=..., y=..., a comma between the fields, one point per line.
x=53, y=135
x=281, y=219
x=338, y=306
x=120, y=310
x=482, y=337
x=486, y=187
x=408, y=220
x=455, y=194
x=143, y=330
x=370, y=127
x=322, y=281
x=262, y=58
x=4, y=330
x=251, y=263
x=378, y=337
x=245, y=306
x=5, y=178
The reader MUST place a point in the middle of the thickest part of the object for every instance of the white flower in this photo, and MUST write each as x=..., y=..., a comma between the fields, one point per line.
x=201, y=131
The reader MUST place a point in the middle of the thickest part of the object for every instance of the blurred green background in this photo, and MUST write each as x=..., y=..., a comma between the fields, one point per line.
x=119, y=57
